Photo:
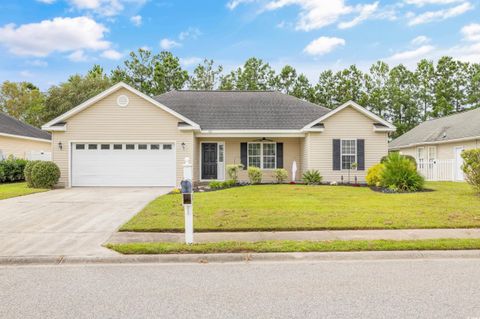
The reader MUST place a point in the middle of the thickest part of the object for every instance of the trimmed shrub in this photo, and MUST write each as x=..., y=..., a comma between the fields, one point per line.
x=229, y=183
x=232, y=171
x=409, y=157
x=471, y=167
x=45, y=175
x=400, y=174
x=374, y=175
x=215, y=185
x=312, y=177
x=280, y=175
x=254, y=175
x=27, y=172
x=11, y=170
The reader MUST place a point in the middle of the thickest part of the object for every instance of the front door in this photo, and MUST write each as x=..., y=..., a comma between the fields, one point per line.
x=458, y=163
x=209, y=161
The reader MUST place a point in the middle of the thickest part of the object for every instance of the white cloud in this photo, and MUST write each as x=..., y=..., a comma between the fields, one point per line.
x=78, y=56
x=26, y=74
x=168, y=44
x=57, y=35
x=323, y=45
x=190, y=61
x=232, y=4
x=107, y=8
x=189, y=33
x=439, y=15
x=471, y=32
x=416, y=54
x=112, y=54
x=365, y=12
x=421, y=3
x=46, y=1
x=136, y=20
x=421, y=39
x=38, y=63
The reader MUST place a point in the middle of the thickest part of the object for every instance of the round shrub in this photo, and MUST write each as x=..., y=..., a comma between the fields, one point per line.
x=28, y=172
x=471, y=167
x=281, y=175
x=374, y=175
x=312, y=177
x=45, y=175
x=400, y=174
x=254, y=174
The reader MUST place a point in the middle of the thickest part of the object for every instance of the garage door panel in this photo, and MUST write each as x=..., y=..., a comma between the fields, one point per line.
x=132, y=167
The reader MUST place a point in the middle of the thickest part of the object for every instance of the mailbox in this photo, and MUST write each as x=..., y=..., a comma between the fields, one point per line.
x=187, y=192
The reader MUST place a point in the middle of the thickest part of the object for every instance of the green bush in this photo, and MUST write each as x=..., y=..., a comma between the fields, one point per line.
x=45, y=175
x=471, y=167
x=280, y=174
x=11, y=170
x=27, y=172
x=400, y=174
x=374, y=175
x=254, y=175
x=312, y=177
x=232, y=171
x=215, y=185
x=229, y=183
x=409, y=157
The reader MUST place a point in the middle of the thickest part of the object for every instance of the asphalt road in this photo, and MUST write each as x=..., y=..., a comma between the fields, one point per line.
x=329, y=289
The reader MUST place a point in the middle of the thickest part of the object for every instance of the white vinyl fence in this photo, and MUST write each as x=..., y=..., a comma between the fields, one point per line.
x=438, y=170
x=39, y=156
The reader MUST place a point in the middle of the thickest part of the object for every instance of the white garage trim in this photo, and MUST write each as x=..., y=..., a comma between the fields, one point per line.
x=123, y=141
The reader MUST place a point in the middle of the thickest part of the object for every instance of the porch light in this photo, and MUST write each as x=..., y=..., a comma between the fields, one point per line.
x=183, y=146
x=60, y=146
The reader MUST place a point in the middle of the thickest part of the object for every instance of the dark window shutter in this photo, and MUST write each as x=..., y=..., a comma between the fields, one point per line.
x=243, y=155
x=279, y=155
x=361, y=155
x=336, y=154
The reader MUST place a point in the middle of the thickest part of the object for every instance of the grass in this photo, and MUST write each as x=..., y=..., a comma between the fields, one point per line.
x=295, y=246
x=300, y=207
x=17, y=189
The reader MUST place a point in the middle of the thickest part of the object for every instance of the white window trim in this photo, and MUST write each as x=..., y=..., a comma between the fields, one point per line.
x=261, y=155
x=341, y=152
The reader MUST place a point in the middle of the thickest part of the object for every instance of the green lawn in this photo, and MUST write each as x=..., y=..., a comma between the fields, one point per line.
x=299, y=207
x=296, y=246
x=17, y=189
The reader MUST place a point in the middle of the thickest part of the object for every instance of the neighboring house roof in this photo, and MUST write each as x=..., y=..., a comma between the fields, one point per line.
x=463, y=125
x=229, y=110
x=12, y=126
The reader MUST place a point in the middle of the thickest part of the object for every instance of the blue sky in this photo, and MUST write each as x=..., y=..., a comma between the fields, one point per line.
x=45, y=41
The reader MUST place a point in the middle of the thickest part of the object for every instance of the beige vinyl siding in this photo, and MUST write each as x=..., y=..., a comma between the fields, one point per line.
x=303, y=154
x=20, y=147
x=445, y=151
x=140, y=121
x=291, y=152
x=346, y=124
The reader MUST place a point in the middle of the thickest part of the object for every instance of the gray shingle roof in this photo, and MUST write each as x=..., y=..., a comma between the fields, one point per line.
x=452, y=127
x=242, y=109
x=10, y=125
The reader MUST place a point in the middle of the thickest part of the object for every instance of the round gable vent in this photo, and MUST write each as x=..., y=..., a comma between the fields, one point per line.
x=122, y=100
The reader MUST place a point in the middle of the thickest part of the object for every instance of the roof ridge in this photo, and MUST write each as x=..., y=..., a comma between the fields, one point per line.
x=453, y=114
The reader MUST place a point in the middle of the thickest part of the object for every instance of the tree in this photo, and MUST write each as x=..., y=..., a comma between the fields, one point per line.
x=325, y=90
x=168, y=74
x=473, y=86
x=76, y=90
x=349, y=86
x=285, y=81
x=23, y=101
x=205, y=76
x=425, y=87
x=303, y=89
x=254, y=75
x=449, y=87
x=376, y=91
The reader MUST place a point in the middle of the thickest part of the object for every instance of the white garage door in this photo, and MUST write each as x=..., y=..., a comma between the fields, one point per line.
x=123, y=164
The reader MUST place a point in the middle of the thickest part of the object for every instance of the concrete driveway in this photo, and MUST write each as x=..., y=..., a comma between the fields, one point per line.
x=74, y=222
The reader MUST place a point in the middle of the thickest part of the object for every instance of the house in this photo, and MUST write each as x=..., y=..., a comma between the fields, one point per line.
x=437, y=144
x=22, y=140
x=123, y=137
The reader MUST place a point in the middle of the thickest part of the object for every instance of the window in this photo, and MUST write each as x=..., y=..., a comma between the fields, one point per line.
x=130, y=146
x=220, y=153
x=421, y=157
x=263, y=155
x=142, y=146
x=167, y=146
x=432, y=155
x=80, y=146
x=154, y=146
x=105, y=146
x=349, y=153
x=117, y=146
x=92, y=146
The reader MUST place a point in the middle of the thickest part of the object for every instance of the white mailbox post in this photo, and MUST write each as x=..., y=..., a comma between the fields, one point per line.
x=187, y=198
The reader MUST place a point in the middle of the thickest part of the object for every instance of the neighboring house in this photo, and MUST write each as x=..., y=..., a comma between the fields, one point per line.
x=122, y=137
x=437, y=144
x=22, y=140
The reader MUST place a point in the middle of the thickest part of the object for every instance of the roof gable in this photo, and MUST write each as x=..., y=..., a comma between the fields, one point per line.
x=51, y=125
